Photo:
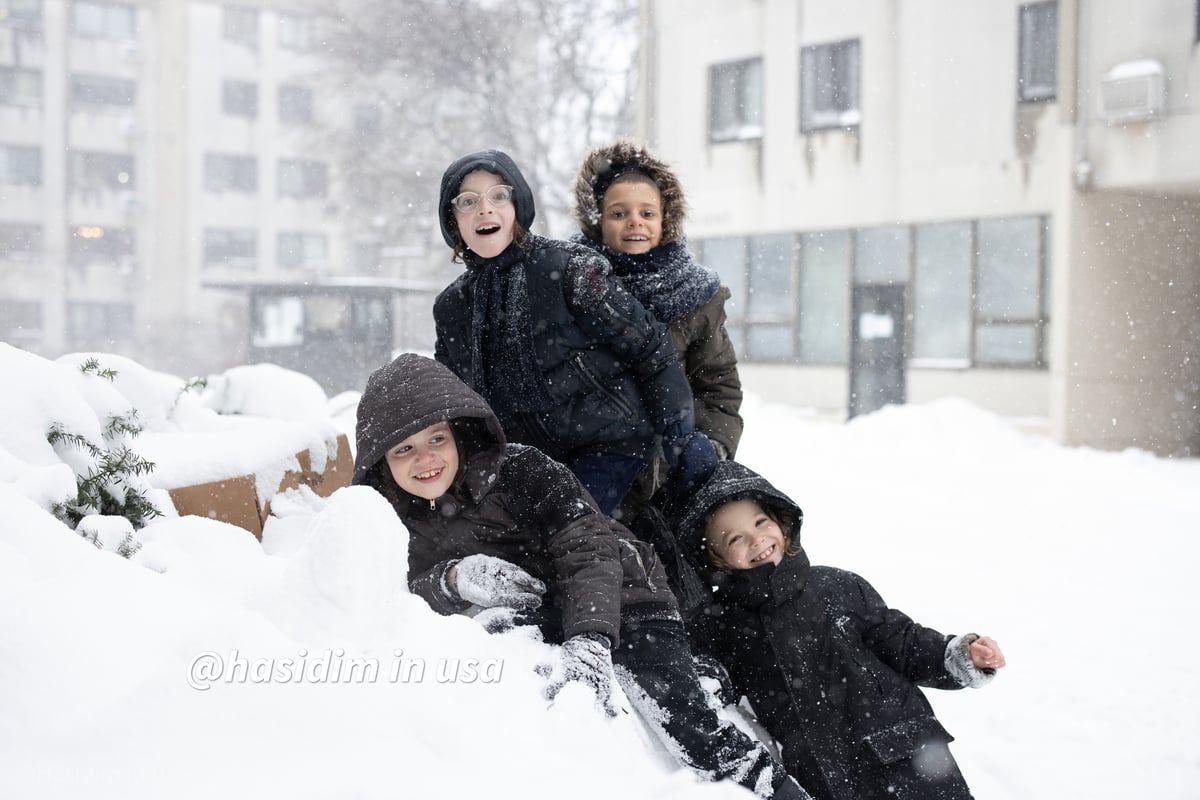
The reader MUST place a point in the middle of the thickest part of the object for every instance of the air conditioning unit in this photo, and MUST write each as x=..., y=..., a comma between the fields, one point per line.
x=1133, y=91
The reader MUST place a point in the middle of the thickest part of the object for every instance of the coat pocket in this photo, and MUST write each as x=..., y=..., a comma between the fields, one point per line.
x=903, y=739
x=638, y=563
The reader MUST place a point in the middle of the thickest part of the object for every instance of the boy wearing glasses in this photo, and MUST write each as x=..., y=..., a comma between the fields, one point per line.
x=569, y=360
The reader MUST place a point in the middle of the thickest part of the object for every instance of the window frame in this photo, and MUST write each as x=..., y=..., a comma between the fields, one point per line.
x=23, y=14
x=240, y=25
x=745, y=127
x=110, y=13
x=27, y=176
x=308, y=170
x=114, y=89
x=225, y=248
x=287, y=99
x=815, y=58
x=85, y=166
x=232, y=173
x=1032, y=88
x=239, y=98
x=13, y=79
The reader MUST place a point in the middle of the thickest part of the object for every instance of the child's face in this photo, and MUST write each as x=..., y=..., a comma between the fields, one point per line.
x=487, y=229
x=425, y=463
x=631, y=221
x=743, y=537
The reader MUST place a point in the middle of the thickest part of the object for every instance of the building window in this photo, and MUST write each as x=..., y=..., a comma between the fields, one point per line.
x=368, y=257
x=101, y=245
x=96, y=91
x=229, y=173
x=240, y=98
x=20, y=165
x=89, y=323
x=294, y=249
x=1011, y=304
x=20, y=241
x=735, y=101
x=980, y=291
x=368, y=120
x=239, y=24
x=298, y=178
x=829, y=81
x=20, y=321
x=236, y=248
x=295, y=104
x=103, y=20
x=823, y=312
x=24, y=14
x=941, y=294
x=20, y=87
x=1038, y=78
x=758, y=271
x=295, y=32
x=769, y=303
x=101, y=171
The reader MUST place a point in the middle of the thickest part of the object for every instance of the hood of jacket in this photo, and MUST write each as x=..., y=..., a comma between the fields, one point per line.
x=407, y=396
x=603, y=165
x=497, y=163
x=729, y=481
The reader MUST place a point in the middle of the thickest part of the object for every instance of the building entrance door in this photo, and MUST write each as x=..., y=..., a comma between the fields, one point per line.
x=876, y=348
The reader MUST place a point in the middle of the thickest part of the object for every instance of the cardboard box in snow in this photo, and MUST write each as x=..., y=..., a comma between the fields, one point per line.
x=232, y=475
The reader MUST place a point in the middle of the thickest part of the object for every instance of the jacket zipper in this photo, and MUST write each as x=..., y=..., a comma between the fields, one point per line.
x=591, y=378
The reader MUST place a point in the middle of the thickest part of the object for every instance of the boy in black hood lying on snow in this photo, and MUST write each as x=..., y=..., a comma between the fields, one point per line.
x=831, y=671
x=505, y=527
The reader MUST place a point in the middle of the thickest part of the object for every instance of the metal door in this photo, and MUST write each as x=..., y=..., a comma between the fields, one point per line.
x=876, y=347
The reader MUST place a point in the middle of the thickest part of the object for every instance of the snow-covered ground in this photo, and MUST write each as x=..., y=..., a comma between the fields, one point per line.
x=211, y=665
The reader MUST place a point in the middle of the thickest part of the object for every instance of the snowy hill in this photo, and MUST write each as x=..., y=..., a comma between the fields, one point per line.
x=211, y=664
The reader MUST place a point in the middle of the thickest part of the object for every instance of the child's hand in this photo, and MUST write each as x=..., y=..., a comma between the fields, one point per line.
x=985, y=653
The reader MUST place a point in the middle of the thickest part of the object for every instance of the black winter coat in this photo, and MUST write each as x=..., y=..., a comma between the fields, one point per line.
x=509, y=501
x=607, y=367
x=830, y=669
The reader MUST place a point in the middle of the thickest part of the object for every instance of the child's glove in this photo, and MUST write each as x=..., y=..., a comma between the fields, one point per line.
x=960, y=665
x=689, y=452
x=714, y=678
x=586, y=658
x=488, y=581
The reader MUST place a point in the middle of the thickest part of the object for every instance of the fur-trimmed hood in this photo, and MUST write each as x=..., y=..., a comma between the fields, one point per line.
x=604, y=164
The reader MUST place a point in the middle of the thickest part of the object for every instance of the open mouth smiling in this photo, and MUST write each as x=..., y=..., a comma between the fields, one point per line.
x=765, y=555
x=431, y=475
x=487, y=230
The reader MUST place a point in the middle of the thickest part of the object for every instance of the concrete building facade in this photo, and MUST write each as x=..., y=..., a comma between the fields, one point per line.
x=998, y=201
x=152, y=150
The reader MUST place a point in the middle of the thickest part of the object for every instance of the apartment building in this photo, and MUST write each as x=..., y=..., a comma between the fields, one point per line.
x=159, y=161
x=917, y=199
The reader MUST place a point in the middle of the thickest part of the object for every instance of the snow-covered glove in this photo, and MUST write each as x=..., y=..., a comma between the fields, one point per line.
x=959, y=664
x=714, y=678
x=488, y=581
x=497, y=619
x=586, y=658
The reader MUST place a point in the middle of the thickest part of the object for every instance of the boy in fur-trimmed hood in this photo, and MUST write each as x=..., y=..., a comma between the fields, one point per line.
x=631, y=208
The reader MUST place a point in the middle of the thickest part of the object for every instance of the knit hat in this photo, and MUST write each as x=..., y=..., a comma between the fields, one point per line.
x=604, y=165
x=495, y=162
